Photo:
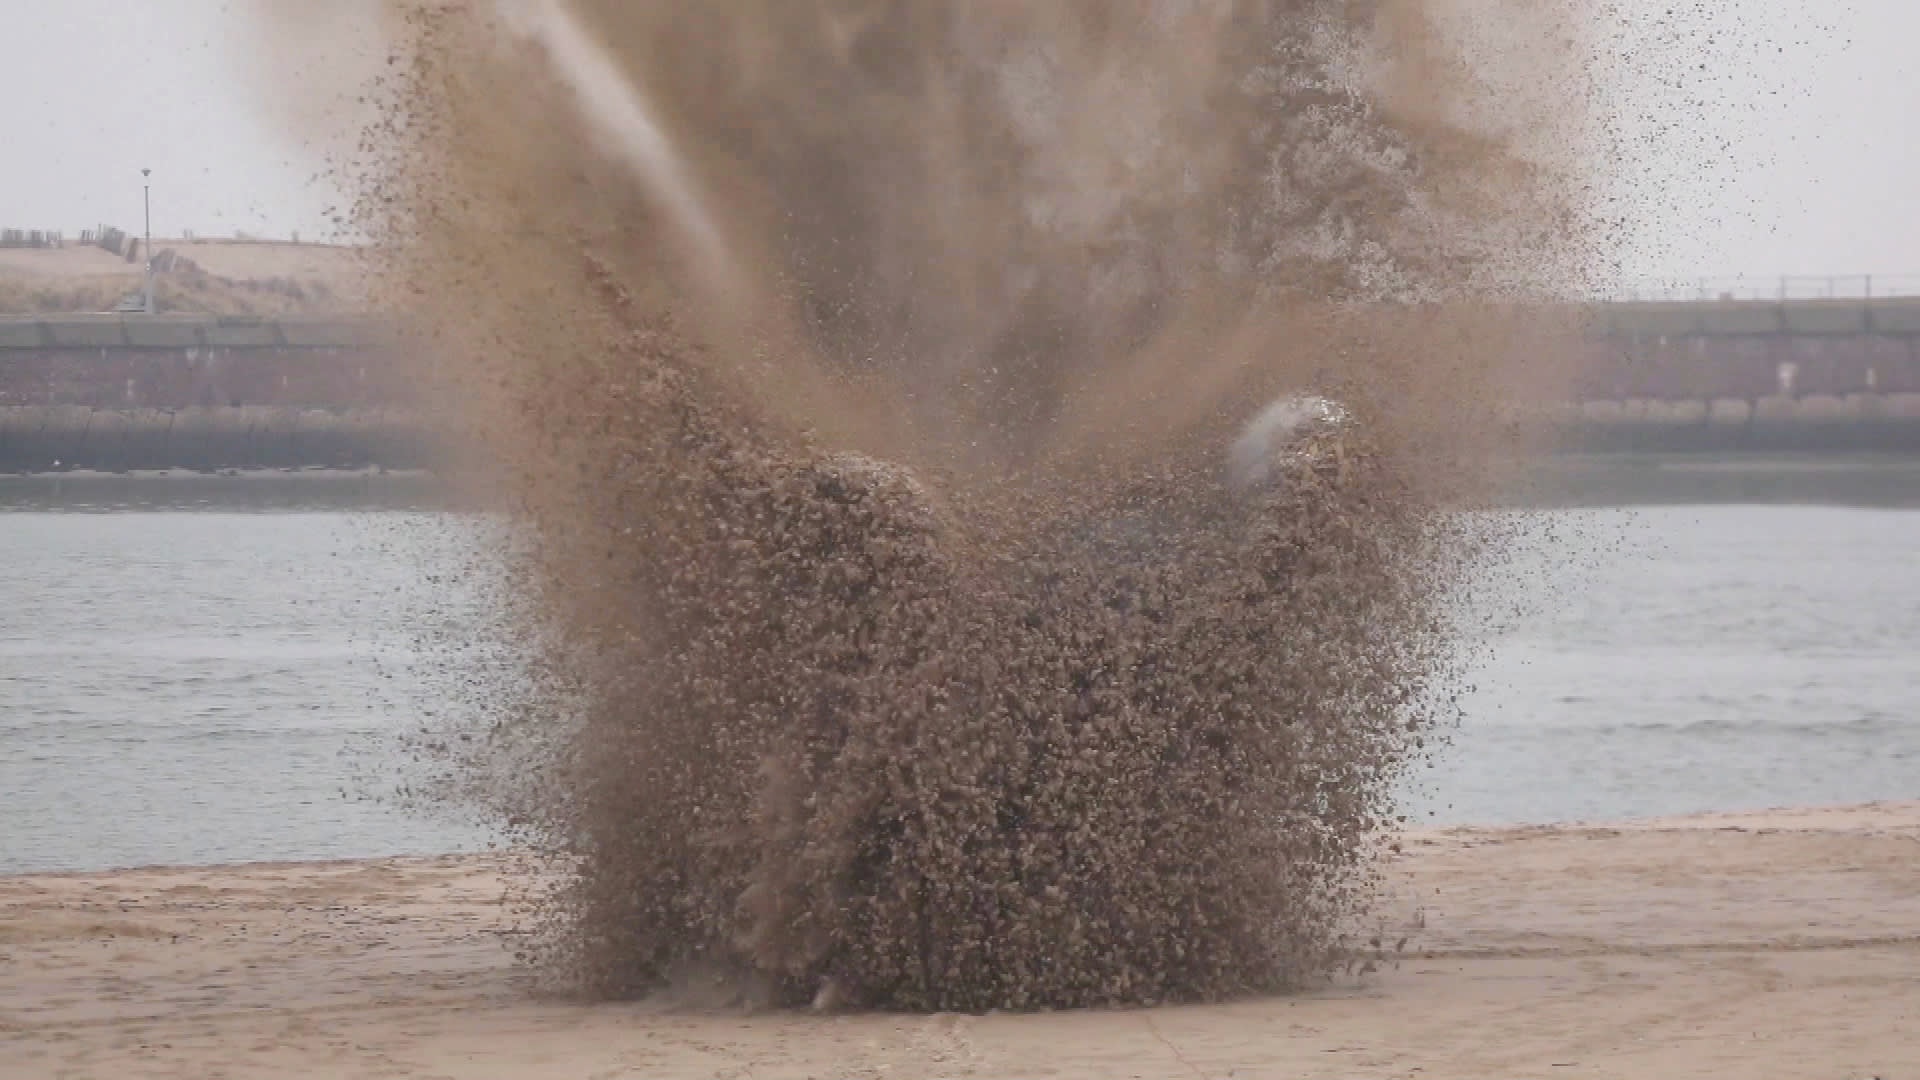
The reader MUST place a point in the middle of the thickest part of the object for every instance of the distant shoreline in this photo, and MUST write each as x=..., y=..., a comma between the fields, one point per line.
x=1878, y=481
x=344, y=490
x=1886, y=481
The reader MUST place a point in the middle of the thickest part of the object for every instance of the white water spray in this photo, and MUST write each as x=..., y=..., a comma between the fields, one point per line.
x=1266, y=438
x=619, y=110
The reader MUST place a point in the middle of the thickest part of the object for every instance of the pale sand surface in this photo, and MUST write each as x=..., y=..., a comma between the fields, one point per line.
x=1778, y=944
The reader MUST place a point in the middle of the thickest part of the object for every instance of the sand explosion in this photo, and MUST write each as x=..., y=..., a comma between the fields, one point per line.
x=860, y=378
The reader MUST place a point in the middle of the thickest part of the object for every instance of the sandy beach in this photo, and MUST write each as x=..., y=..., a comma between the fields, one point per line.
x=1775, y=944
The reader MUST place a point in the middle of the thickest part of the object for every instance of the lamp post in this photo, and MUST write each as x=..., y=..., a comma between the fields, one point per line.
x=146, y=194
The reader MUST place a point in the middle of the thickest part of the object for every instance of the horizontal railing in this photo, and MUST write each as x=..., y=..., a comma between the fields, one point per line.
x=1896, y=316
x=1783, y=287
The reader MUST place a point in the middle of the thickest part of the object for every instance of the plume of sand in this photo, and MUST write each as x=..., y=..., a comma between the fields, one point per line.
x=901, y=642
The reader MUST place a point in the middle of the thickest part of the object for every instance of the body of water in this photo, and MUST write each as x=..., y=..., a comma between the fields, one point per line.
x=198, y=683
x=210, y=685
x=1678, y=659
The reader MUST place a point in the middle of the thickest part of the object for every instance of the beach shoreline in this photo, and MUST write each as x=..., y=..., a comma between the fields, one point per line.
x=1774, y=943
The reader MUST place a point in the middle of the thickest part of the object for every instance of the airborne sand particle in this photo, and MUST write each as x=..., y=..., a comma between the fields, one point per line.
x=903, y=642
x=623, y=121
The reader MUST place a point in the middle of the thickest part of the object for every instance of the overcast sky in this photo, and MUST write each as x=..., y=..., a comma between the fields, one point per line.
x=92, y=91
x=1766, y=136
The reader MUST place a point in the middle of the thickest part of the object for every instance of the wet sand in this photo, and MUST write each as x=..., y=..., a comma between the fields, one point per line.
x=1783, y=943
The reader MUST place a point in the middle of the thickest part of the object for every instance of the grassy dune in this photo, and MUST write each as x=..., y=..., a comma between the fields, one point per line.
x=227, y=278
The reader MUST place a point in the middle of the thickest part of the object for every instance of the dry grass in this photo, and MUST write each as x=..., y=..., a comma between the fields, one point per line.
x=191, y=293
x=228, y=279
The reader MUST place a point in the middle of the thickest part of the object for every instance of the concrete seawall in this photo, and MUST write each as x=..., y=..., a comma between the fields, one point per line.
x=37, y=438
x=122, y=392
x=117, y=392
x=1659, y=351
x=41, y=438
x=177, y=362
x=1700, y=351
x=1812, y=423
x=23, y=333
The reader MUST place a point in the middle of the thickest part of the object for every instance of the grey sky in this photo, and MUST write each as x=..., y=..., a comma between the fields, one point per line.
x=1761, y=136
x=92, y=91
x=1770, y=136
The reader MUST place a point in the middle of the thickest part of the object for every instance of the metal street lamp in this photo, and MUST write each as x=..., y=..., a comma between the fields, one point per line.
x=146, y=191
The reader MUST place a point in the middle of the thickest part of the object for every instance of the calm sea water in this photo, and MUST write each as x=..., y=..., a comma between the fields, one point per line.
x=186, y=681
x=1679, y=659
